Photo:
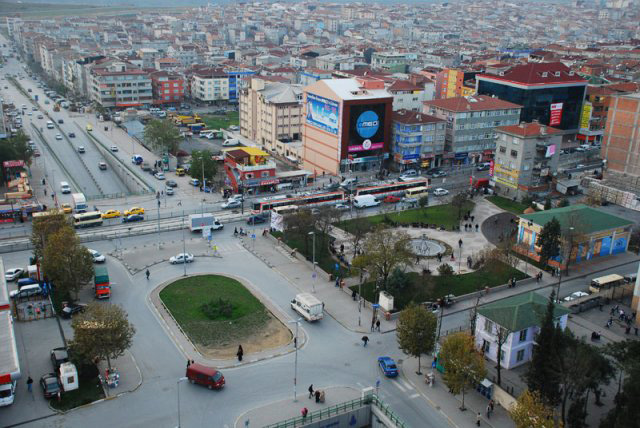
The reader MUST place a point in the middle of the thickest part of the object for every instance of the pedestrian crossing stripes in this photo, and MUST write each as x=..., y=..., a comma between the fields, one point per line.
x=416, y=395
x=406, y=384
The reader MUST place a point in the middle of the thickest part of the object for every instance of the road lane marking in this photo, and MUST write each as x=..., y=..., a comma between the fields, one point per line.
x=416, y=395
x=399, y=386
x=406, y=384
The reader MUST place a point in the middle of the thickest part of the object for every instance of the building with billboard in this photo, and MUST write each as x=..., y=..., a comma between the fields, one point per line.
x=550, y=93
x=526, y=160
x=347, y=125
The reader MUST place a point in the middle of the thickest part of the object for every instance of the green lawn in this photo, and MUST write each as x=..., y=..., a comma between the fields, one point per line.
x=430, y=288
x=508, y=204
x=323, y=257
x=88, y=392
x=441, y=215
x=185, y=297
x=219, y=121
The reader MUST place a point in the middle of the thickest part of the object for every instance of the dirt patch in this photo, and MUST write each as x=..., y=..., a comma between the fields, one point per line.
x=272, y=334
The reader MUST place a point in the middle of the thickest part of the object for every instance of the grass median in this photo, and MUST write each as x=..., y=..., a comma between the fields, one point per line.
x=89, y=391
x=507, y=204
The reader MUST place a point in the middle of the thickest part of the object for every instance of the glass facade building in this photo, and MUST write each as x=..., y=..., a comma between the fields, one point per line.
x=536, y=101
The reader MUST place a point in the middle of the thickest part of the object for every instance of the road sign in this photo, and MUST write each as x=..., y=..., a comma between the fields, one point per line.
x=253, y=236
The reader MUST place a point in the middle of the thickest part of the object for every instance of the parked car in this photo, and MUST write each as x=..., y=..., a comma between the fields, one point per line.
x=181, y=258
x=440, y=192
x=388, y=366
x=342, y=207
x=13, y=274
x=231, y=204
x=194, y=182
x=71, y=309
x=97, y=257
x=50, y=385
x=59, y=356
x=111, y=214
x=133, y=217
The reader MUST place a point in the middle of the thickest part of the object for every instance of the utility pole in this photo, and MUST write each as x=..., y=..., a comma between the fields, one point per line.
x=184, y=246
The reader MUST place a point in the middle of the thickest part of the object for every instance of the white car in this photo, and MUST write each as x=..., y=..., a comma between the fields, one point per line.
x=575, y=295
x=169, y=191
x=97, y=257
x=159, y=175
x=13, y=274
x=114, y=148
x=440, y=192
x=58, y=137
x=181, y=258
x=342, y=207
x=231, y=203
x=237, y=197
x=411, y=174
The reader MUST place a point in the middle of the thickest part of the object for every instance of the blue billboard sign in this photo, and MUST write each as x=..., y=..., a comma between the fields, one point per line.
x=323, y=113
x=367, y=124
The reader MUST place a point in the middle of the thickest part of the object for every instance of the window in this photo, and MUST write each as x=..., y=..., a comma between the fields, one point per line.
x=503, y=149
x=523, y=335
x=488, y=326
x=514, y=153
x=520, y=355
x=486, y=346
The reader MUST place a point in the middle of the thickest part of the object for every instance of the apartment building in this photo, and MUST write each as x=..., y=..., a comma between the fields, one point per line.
x=417, y=140
x=471, y=121
x=526, y=158
x=209, y=84
x=407, y=95
x=167, y=87
x=450, y=83
x=394, y=62
x=271, y=114
x=119, y=84
x=621, y=143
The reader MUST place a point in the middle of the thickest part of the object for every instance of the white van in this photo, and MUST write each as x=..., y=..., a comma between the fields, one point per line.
x=64, y=187
x=230, y=142
x=284, y=186
x=365, y=201
x=309, y=306
x=348, y=182
x=49, y=124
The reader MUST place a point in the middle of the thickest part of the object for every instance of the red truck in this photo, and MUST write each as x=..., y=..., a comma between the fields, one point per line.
x=101, y=282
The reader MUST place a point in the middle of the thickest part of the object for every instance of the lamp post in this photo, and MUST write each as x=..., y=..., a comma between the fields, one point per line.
x=158, y=224
x=295, y=364
x=178, y=388
x=184, y=245
x=314, y=260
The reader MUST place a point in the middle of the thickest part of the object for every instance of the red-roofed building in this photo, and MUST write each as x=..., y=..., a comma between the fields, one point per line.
x=526, y=159
x=550, y=93
x=470, y=125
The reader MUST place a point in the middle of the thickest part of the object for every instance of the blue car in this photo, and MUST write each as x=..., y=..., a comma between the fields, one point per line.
x=388, y=366
x=132, y=218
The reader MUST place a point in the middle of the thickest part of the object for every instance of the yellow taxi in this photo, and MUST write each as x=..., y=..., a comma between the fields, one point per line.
x=111, y=214
x=66, y=208
x=89, y=127
x=134, y=210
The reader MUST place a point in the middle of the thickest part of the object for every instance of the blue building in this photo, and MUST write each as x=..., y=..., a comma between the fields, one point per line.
x=417, y=140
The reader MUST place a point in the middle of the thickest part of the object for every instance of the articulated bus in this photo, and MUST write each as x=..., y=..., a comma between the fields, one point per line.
x=398, y=188
x=606, y=282
x=267, y=204
x=286, y=209
x=93, y=218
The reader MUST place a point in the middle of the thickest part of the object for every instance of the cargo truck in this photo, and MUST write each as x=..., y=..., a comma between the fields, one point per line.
x=198, y=222
x=101, y=282
x=79, y=203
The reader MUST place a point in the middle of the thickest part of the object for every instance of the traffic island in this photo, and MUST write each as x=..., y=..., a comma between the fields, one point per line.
x=89, y=391
x=217, y=314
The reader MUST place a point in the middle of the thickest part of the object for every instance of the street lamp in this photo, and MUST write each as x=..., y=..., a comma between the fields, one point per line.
x=362, y=271
x=158, y=224
x=295, y=366
x=314, y=261
x=178, y=388
x=184, y=245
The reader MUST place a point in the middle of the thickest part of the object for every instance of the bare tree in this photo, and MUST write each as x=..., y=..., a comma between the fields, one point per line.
x=359, y=227
x=573, y=236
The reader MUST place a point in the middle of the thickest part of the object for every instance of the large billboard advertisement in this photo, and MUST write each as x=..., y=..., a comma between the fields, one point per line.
x=585, y=117
x=323, y=113
x=366, y=127
x=556, y=114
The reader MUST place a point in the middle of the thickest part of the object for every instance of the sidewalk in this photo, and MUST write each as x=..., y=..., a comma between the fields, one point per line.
x=130, y=375
x=447, y=404
x=285, y=409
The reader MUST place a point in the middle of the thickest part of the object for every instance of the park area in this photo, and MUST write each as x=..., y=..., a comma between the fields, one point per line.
x=508, y=204
x=215, y=121
x=218, y=313
x=445, y=215
x=428, y=288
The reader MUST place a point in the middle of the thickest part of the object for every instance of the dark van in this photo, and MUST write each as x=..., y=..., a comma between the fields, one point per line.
x=203, y=375
x=23, y=282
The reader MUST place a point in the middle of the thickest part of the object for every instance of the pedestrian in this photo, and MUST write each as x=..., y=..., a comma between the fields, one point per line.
x=317, y=394
x=188, y=363
x=460, y=243
x=53, y=195
x=491, y=404
x=627, y=329
x=30, y=384
x=179, y=203
x=353, y=295
x=310, y=391
x=611, y=311
x=378, y=325
x=473, y=218
x=45, y=191
x=304, y=412
x=240, y=352
x=373, y=324
x=365, y=339
x=342, y=248
x=478, y=416
x=148, y=274
x=488, y=411
x=477, y=226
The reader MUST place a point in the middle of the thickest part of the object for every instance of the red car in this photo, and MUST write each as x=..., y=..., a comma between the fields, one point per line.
x=391, y=199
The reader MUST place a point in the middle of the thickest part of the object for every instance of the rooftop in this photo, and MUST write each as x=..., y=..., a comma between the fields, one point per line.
x=350, y=89
x=413, y=118
x=537, y=74
x=474, y=103
x=521, y=311
x=589, y=220
x=528, y=130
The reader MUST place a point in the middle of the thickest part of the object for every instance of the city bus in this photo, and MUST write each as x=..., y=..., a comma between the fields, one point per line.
x=606, y=282
x=397, y=188
x=268, y=204
x=417, y=192
x=93, y=218
x=42, y=214
x=286, y=209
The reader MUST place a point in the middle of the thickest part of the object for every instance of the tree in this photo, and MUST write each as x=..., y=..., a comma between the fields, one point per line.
x=384, y=251
x=325, y=217
x=43, y=227
x=15, y=148
x=423, y=203
x=203, y=159
x=416, y=331
x=541, y=376
x=626, y=412
x=102, y=331
x=531, y=411
x=162, y=135
x=564, y=202
x=459, y=202
x=358, y=228
x=547, y=204
x=463, y=364
x=298, y=225
x=549, y=241
x=67, y=263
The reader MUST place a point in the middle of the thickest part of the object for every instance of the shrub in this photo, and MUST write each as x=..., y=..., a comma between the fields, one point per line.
x=398, y=280
x=445, y=269
x=222, y=308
